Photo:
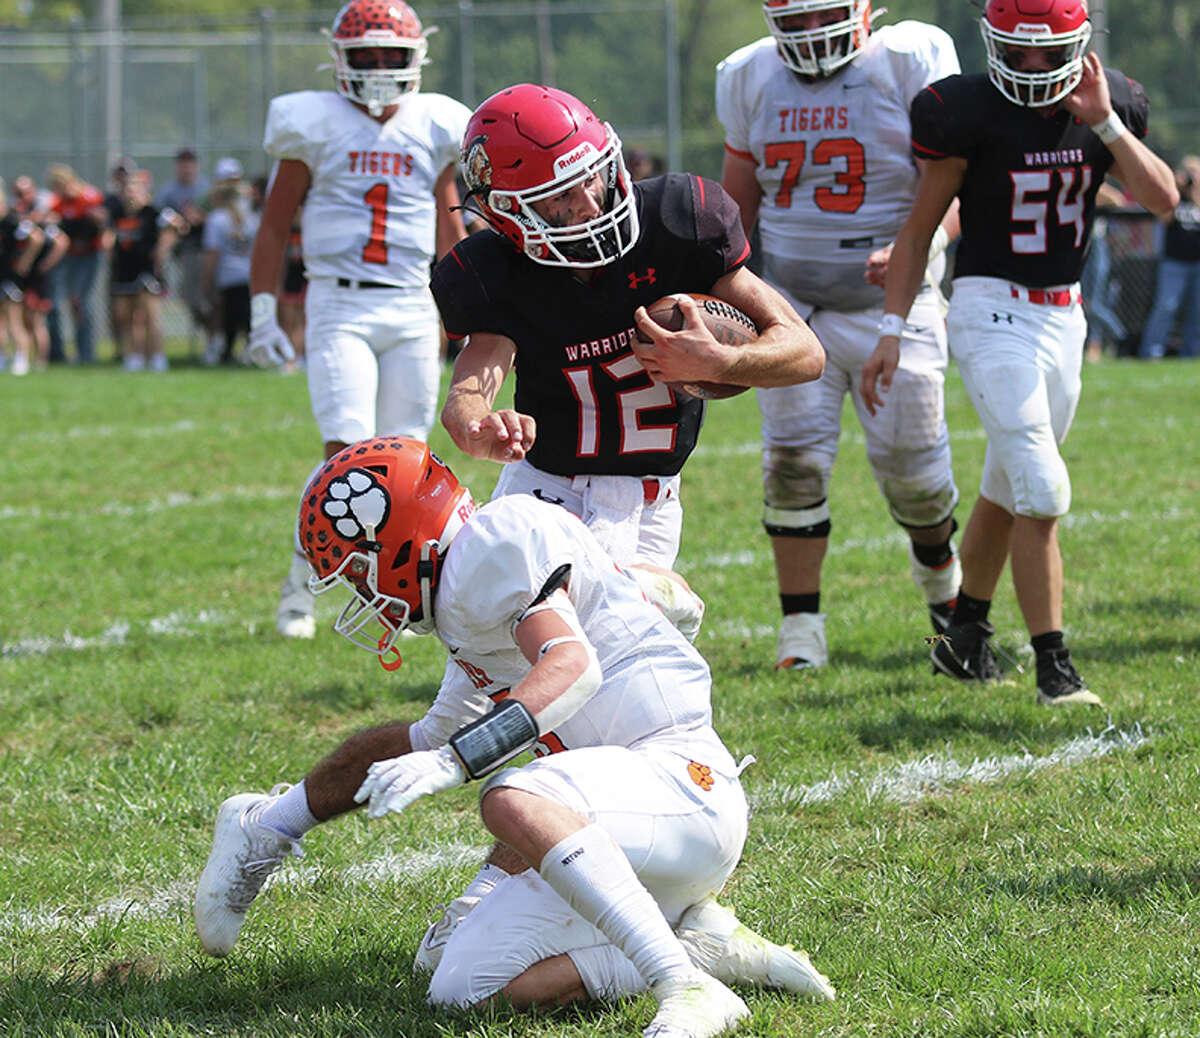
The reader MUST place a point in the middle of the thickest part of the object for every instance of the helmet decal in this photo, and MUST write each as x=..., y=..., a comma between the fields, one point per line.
x=356, y=504
x=477, y=167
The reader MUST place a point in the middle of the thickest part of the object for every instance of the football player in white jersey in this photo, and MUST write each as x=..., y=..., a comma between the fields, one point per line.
x=817, y=152
x=631, y=815
x=373, y=163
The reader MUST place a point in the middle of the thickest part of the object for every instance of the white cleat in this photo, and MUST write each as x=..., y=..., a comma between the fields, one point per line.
x=243, y=855
x=696, y=1006
x=719, y=944
x=297, y=603
x=801, y=642
x=429, y=954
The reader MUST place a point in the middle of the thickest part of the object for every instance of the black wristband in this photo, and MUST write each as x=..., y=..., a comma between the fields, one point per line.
x=484, y=745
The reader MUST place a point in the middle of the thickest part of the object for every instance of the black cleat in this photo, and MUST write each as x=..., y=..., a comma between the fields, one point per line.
x=1059, y=682
x=939, y=615
x=965, y=652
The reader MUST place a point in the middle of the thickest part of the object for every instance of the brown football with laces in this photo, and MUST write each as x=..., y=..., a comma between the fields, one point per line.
x=728, y=325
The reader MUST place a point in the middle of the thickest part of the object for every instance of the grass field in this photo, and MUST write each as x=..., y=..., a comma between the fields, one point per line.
x=960, y=862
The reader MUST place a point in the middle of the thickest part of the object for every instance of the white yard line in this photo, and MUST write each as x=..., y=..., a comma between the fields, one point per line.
x=915, y=780
x=905, y=782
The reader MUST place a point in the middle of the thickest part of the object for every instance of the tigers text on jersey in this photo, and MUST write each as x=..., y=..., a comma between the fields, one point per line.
x=655, y=685
x=369, y=214
x=597, y=411
x=1029, y=192
x=833, y=155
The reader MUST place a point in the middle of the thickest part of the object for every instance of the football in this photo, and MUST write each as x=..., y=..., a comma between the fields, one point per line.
x=728, y=326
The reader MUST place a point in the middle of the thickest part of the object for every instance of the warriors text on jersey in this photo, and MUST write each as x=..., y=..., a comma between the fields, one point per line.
x=369, y=214
x=656, y=686
x=1029, y=192
x=832, y=155
x=597, y=410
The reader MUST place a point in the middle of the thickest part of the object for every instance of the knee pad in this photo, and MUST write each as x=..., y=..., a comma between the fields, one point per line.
x=916, y=504
x=795, y=488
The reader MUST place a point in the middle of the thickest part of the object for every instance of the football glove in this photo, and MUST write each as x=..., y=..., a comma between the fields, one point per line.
x=268, y=345
x=391, y=785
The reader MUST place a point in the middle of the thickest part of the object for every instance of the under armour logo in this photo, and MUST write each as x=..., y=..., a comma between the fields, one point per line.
x=537, y=492
x=997, y=318
x=637, y=279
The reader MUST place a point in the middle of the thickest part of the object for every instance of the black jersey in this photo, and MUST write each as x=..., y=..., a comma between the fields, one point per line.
x=1029, y=193
x=14, y=239
x=597, y=411
x=135, y=236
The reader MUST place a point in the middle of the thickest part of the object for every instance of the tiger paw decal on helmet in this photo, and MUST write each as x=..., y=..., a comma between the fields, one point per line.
x=356, y=504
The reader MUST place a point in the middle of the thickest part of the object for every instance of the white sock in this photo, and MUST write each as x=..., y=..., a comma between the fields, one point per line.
x=592, y=875
x=289, y=814
x=485, y=880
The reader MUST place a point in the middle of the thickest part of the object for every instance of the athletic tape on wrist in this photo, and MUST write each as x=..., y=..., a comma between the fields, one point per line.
x=892, y=324
x=1110, y=129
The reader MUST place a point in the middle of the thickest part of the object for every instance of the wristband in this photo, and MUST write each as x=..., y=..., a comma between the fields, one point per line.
x=1110, y=129
x=262, y=308
x=937, y=244
x=892, y=324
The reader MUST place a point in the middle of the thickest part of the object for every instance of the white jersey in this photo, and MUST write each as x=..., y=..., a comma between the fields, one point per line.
x=655, y=686
x=369, y=214
x=833, y=155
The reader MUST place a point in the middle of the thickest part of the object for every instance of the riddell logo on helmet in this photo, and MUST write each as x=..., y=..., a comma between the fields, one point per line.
x=573, y=158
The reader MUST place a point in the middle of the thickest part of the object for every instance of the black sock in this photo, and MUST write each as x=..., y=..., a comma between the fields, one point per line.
x=800, y=603
x=1051, y=641
x=968, y=610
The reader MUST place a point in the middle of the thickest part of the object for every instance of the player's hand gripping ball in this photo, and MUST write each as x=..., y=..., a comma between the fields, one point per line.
x=728, y=325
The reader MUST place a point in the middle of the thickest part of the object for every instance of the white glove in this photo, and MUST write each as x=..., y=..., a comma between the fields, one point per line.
x=391, y=785
x=268, y=345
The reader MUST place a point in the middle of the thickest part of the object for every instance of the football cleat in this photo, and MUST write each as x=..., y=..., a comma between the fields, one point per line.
x=1058, y=681
x=965, y=652
x=724, y=948
x=243, y=855
x=695, y=1006
x=801, y=642
x=295, y=617
x=429, y=953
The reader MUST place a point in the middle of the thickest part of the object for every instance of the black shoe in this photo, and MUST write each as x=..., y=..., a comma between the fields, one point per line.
x=939, y=615
x=1059, y=682
x=965, y=652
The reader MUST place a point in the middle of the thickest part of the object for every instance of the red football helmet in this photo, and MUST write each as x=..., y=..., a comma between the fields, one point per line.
x=378, y=517
x=530, y=143
x=822, y=50
x=363, y=30
x=1059, y=27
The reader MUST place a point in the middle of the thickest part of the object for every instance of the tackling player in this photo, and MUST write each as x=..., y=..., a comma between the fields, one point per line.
x=817, y=151
x=632, y=814
x=1025, y=149
x=373, y=162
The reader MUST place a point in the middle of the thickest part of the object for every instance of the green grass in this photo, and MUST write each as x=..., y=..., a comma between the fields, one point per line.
x=1039, y=874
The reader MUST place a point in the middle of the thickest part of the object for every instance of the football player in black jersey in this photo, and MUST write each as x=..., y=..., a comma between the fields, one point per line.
x=555, y=287
x=1025, y=149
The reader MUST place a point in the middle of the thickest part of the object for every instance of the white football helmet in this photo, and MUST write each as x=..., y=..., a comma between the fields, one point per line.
x=1060, y=27
x=363, y=30
x=821, y=50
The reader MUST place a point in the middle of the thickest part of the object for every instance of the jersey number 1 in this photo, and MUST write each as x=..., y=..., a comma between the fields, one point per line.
x=375, y=251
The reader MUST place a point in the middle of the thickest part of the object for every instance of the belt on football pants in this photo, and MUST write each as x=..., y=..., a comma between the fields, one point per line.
x=347, y=283
x=650, y=490
x=1047, y=296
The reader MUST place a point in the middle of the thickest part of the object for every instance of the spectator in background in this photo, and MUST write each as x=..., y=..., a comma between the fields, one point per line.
x=37, y=203
x=228, y=239
x=83, y=217
x=186, y=195
x=291, y=297
x=641, y=164
x=114, y=203
x=143, y=235
x=1177, y=286
x=1100, y=289
x=20, y=242
x=36, y=302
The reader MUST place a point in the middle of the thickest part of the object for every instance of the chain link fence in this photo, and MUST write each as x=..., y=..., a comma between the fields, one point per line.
x=87, y=96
